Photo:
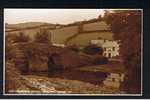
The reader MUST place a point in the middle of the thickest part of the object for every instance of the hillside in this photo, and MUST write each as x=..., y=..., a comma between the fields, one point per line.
x=84, y=39
x=27, y=25
x=79, y=34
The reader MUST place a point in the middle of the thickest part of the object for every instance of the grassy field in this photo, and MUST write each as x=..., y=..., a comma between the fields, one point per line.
x=85, y=38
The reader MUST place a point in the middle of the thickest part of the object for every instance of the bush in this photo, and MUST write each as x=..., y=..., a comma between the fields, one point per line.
x=100, y=59
x=21, y=37
x=93, y=49
x=73, y=48
x=9, y=52
x=37, y=56
x=43, y=36
x=12, y=77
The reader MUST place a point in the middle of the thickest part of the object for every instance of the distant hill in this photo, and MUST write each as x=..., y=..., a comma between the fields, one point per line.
x=79, y=33
x=28, y=25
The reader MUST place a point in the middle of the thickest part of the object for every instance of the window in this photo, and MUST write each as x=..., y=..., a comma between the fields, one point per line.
x=109, y=55
x=113, y=48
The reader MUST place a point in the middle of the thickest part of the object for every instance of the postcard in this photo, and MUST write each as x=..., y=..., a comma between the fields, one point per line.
x=85, y=52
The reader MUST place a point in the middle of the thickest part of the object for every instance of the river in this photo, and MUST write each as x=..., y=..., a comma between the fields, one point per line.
x=85, y=76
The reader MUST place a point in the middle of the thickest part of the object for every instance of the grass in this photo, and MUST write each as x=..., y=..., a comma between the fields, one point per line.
x=84, y=38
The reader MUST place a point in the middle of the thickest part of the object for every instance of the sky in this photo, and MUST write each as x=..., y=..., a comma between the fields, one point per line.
x=59, y=16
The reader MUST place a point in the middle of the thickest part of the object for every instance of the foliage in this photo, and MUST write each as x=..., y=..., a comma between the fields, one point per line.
x=73, y=48
x=99, y=59
x=12, y=77
x=36, y=51
x=9, y=54
x=10, y=39
x=21, y=37
x=126, y=26
x=93, y=49
x=43, y=36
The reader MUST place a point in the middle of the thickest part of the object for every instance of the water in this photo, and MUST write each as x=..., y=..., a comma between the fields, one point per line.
x=85, y=76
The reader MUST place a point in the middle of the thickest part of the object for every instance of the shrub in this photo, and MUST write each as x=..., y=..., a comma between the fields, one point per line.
x=21, y=37
x=73, y=48
x=12, y=77
x=93, y=49
x=43, y=36
x=9, y=54
x=99, y=59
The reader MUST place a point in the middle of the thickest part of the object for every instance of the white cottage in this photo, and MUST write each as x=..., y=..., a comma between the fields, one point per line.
x=114, y=80
x=111, y=48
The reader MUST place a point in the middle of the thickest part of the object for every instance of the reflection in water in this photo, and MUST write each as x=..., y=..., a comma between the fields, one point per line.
x=86, y=76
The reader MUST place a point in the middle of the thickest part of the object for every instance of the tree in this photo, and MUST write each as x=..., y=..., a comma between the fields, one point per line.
x=43, y=36
x=21, y=37
x=73, y=48
x=100, y=18
x=93, y=49
x=10, y=39
x=99, y=59
x=126, y=27
x=8, y=46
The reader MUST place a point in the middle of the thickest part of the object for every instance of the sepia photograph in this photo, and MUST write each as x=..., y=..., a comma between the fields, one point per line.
x=92, y=52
